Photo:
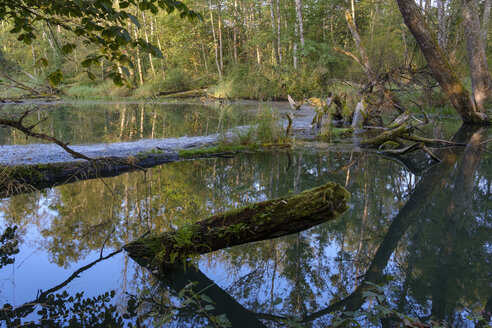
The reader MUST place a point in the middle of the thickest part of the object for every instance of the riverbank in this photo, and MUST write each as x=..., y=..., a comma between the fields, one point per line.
x=38, y=153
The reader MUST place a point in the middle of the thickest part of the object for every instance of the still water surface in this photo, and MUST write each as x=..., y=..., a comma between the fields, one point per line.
x=425, y=235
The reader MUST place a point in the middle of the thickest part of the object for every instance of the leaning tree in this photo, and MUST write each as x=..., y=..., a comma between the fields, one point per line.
x=471, y=107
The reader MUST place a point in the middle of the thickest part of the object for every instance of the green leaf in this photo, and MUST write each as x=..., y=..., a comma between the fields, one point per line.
x=206, y=298
x=134, y=20
x=369, y=294
x=87, y=62
x=55, y=78
x=68, y=48
x=91, y=75
x=41, y=62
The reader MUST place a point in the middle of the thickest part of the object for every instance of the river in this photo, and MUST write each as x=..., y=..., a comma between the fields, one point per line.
x=416, y=239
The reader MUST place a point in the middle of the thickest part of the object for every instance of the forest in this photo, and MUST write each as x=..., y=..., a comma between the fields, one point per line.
x=246, y=49
x=241, y=163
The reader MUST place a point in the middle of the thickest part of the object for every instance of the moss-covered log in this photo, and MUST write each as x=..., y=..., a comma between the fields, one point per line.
x=259, y=221
x=26, y=178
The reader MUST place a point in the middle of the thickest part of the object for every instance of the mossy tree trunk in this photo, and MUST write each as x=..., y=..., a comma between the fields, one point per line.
x=256, y=222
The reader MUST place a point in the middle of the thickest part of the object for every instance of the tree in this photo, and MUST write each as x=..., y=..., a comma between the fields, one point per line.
x=477, y=59
x=463, y=102
x=97, y=22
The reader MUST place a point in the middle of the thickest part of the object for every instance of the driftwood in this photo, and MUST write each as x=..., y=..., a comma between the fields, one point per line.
x=389, y=135
x=256, y=222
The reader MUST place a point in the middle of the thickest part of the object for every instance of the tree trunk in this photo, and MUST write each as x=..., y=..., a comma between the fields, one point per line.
x=387, y=95
x=256, y=222
x=294, y=48
x=486, y=21
x=441, y=22
x=216, y=48
x=178, y=276
x=279, y=43
x=299, y=21
x=147, y=40
x=219, y=28
x=410, y=214
x=444, y=74
x=475, y=46
x=139, y=63
x=204, y=57
x=235, y=31
x=274, y=29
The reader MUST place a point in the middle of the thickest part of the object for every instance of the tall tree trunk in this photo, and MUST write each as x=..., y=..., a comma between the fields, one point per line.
x=204, y=57
x=475, y=46
x=486, y=21
x=441, y=22
x=219, y=28
x=235, y=31
x=387, y=95
x=279, y=42
x=216, y=48
x=160, y=48
x=139, y=62
x=274, y=28
x=444, y=74
x=147, y=40
x=294, y=47
x=299, y=21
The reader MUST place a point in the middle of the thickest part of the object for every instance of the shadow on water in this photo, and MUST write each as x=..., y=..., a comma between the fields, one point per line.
x=408, y=245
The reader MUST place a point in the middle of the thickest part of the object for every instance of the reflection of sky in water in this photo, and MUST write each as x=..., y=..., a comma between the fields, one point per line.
x=259, y=176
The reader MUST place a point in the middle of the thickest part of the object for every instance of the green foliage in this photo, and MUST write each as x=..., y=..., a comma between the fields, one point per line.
x=98, y=22
x=8, y=246
x=7, y=65
x=269, y=127
x=245, y=82
x=175, y=80
x=203, y=305
x=96, y=90
x=376, y=312
x=199, y=152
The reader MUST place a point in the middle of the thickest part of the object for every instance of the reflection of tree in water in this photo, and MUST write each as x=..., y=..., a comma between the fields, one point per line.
x=89, y=123
x=316, y=272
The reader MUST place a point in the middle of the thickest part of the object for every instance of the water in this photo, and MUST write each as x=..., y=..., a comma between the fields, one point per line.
x=89, y=122
x=424, y=235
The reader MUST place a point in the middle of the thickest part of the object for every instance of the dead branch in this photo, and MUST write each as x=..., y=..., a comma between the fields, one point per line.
x=27, y=130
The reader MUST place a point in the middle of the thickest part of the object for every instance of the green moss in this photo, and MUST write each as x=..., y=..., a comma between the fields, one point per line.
x=26, y=172
x=191, y=239
x=341, y=131
x=152, y=151
x=197, y=152
x=233, y=230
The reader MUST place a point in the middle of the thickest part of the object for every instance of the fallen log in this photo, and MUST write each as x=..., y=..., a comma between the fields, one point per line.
x=27, y=178
x=390, y=135
x=184, y=93
x=256, y=222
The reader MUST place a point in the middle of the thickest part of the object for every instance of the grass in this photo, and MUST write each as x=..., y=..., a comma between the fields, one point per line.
x=265, y=132
x=203, y=151
x=102, y=90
